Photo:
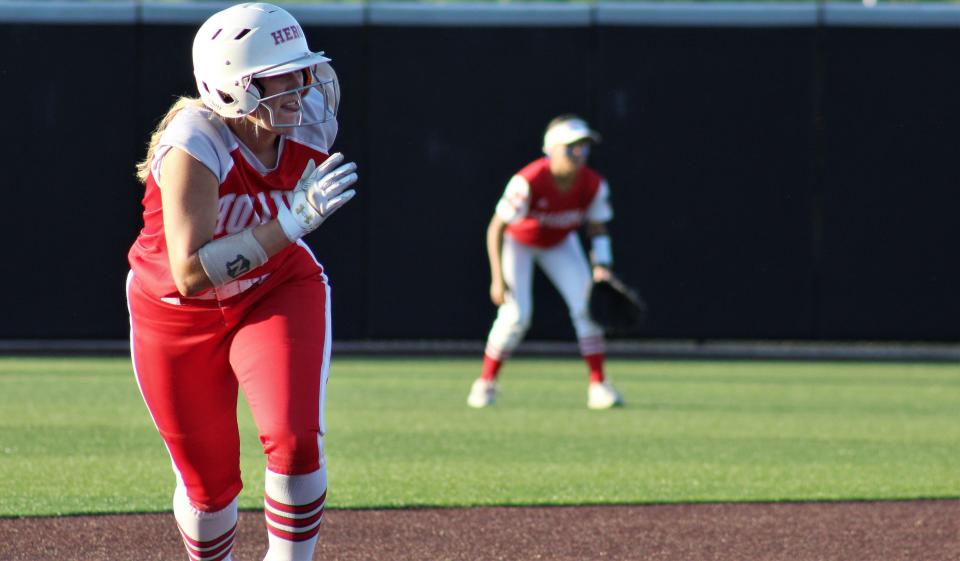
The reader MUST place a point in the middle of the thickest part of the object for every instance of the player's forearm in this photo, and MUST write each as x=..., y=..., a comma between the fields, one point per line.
x=189, y=276
x=494, y=249
x=223, y=260
x=601, y=251
x=271, y=237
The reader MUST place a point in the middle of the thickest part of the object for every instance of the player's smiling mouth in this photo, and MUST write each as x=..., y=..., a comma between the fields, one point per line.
x=292, y=106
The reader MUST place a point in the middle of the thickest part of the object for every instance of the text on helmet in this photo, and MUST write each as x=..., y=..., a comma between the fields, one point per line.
x=286, y=34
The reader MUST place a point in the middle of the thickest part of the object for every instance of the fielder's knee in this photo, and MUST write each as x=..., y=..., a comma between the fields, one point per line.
x=507, y=331
x=584, y=326
x=521, y=322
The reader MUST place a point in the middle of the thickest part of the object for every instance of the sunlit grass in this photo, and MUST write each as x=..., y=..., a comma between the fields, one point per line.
x=75, y=435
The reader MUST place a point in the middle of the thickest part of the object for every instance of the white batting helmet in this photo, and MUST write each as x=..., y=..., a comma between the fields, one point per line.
x=257, y=40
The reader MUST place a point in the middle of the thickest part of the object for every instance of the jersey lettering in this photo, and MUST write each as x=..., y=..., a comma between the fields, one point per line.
x=565, y=219
x=226, y=203
x=240, y=216
x=239, y=212
x=265, y=211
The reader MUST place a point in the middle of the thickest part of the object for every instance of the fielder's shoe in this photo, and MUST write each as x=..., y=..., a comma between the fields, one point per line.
x=483, y=393
x=602, y=395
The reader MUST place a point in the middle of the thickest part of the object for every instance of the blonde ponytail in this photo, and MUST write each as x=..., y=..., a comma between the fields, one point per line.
x=143, y=168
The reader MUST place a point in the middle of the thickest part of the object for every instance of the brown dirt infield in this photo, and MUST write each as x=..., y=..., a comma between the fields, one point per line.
x=867, y=531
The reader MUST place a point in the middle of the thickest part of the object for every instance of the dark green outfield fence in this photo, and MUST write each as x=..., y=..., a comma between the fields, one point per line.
x=778, y=171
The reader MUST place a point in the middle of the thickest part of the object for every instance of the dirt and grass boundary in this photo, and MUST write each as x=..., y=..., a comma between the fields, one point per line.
x=923, y=530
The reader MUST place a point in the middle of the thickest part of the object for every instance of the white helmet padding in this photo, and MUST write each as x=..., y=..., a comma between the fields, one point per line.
x=256, y=40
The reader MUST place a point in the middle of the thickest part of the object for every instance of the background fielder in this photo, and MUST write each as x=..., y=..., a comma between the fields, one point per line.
x=535, y=222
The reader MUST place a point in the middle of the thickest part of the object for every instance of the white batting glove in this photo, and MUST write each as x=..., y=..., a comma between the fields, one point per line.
x=318, y=194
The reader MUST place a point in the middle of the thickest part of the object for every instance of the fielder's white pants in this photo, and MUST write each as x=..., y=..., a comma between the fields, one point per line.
x=566, y=265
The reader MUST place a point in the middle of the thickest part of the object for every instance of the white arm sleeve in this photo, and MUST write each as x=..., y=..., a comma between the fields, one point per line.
x=600, y=210
x=515, y=201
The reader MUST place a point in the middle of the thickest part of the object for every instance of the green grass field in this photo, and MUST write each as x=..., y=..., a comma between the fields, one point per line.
x=75, y=436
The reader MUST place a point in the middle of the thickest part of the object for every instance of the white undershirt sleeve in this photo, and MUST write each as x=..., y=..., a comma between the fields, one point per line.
x=198, y=135
x=600, y=210
x=515, y=202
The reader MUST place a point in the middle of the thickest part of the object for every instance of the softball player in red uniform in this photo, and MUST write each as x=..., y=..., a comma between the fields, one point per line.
x=223, y=294
x=536, y=221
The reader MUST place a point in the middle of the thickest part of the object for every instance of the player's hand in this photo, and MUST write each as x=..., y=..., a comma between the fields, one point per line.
x=601, y=273
x=326, y=186
x=318, y=194
x=498, y=292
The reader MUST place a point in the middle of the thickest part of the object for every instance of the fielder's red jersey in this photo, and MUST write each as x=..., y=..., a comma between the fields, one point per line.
x=539, y=214
x=249, y=192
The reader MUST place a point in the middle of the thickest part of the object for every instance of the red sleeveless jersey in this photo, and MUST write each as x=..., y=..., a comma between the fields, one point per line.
x=550, y=214
x=248, y=196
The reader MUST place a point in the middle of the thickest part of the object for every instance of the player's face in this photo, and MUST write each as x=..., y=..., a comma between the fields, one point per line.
x=578, y=152
x=569, y=158
x=284, y=109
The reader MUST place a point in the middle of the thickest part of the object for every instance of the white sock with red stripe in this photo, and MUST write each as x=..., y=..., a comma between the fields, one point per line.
x=208, y=536
x=293, y=506
x=591, y=345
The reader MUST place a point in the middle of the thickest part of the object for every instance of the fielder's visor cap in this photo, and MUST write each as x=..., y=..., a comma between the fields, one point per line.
x=568, y=132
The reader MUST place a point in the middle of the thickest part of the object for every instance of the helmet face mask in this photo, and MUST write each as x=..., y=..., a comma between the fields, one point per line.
x=248, y=41
x=327, y=87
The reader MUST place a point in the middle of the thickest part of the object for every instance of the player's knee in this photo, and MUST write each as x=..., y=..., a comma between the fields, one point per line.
x=579, y=312
x=523, y=320
x=514, y=321
x=213, y=492
x=583, y=324
x=292, y=451
x=519, y=329
x=580, y=318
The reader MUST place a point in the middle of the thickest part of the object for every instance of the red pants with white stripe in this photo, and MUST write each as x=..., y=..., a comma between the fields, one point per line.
x=272, y=342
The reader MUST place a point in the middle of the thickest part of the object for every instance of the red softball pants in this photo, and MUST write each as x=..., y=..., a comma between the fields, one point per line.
x=273, y=343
